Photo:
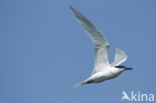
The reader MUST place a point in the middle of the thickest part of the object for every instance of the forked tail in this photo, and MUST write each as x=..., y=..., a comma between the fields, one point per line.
x=80, y=84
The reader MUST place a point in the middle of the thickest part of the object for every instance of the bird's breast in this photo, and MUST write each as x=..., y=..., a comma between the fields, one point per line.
x=102, y=76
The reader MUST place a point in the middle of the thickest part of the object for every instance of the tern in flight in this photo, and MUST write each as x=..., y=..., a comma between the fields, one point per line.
x=102, y=69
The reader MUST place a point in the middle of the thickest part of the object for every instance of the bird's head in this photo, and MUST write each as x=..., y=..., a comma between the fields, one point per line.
x=123, y=68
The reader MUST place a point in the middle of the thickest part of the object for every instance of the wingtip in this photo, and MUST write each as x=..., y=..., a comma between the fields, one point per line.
x=70, y=6
x=73, y=9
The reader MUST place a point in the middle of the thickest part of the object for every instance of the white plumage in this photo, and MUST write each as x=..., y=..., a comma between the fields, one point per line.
x=102, y=69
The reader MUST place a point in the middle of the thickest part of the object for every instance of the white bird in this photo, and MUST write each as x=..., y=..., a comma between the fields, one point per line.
x=102, y=69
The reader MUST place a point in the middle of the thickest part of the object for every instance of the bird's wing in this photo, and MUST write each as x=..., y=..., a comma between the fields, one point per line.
x=101, y=45
x=120, y=57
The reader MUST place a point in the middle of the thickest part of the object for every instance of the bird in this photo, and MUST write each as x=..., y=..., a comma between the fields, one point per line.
x=102, y=69
x=125, y=96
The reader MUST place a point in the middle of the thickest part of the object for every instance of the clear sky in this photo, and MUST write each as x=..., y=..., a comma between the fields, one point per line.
x=44, y=51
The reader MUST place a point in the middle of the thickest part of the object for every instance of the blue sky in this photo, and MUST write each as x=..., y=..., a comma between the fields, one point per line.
x=44, y=51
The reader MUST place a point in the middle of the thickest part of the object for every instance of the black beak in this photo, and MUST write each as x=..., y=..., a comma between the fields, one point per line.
x=129, y=68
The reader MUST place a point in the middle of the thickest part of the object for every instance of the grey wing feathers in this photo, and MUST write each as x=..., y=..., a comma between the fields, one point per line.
x=120, y=57
x=93, y=33
x=100, y=43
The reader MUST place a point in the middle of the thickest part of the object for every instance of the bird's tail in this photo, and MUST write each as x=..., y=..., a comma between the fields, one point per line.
x=80, y=84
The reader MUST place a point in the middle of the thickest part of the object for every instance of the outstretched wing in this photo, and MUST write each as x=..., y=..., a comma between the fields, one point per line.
x=120, y=57
x=101, y=45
